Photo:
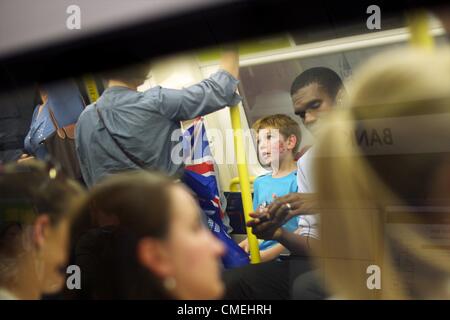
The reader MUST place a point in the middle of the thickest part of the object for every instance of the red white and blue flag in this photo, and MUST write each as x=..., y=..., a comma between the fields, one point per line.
x=200, y=176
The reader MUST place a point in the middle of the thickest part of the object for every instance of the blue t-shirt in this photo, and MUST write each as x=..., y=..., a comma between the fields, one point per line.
x=264, y=187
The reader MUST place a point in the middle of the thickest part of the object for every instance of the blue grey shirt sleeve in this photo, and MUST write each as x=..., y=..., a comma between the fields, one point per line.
x=212, y=94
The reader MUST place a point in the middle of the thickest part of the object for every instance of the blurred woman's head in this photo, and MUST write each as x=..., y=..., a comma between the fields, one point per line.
x=158, y=246
x=382, y=166
x=36, y=208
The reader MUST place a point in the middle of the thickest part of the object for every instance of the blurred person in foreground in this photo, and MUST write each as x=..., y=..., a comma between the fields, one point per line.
x=140, y=236
x=37, y=206
x=383, y=197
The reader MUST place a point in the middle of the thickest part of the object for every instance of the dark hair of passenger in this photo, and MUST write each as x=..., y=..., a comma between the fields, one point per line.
x=108, y=256
x=35, y=185
x=324, y=77
x=136, y=73
x=29, y=190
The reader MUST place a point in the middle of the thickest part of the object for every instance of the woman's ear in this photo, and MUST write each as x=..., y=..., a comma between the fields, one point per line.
x=153, y=255
x=41, y=229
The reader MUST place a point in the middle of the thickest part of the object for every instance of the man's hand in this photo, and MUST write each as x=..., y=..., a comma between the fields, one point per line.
x=267, y=222
x=296, y=203
x=265, y=227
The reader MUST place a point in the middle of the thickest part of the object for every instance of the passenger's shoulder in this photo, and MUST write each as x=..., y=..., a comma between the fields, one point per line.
x=153, y=92
x=153, y=96
x=86, y=113
x=294, y=181
x=263, y=177
x=306, y=157
x=293, y=175
x=89, y=109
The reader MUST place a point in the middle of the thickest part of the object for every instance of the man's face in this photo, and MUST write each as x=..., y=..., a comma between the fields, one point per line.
x=309, y=103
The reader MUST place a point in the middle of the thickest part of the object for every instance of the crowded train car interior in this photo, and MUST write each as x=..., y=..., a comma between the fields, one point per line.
x=224, y=150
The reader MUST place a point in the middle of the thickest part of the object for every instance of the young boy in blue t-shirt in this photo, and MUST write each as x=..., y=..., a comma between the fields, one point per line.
x=278, y=139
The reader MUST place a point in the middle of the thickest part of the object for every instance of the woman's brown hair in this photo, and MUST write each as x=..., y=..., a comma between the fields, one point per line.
x=134, y=205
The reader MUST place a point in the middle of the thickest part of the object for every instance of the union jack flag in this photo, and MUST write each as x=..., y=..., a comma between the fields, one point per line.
x=200, y=176
x=198, y=158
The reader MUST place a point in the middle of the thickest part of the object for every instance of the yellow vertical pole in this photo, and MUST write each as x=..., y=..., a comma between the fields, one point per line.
x=91, y=88
x=244, y=181
x=419, y=29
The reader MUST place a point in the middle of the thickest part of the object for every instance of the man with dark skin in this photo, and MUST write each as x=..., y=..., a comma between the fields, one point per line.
x=313, y=93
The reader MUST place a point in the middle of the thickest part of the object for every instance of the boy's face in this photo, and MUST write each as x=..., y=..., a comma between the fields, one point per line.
x=272, y=146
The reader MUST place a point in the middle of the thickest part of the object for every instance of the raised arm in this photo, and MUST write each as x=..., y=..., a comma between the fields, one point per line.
x=212, y=94
x=230, y=62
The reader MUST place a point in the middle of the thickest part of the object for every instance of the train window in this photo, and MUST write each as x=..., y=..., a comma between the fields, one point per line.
x=265, y=83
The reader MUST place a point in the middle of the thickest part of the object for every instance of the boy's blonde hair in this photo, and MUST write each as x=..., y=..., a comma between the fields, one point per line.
x=285, y=124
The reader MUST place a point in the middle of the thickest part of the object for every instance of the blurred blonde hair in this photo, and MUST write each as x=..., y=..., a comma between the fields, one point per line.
x=354, y=189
